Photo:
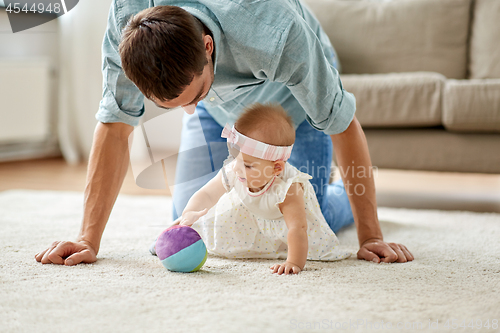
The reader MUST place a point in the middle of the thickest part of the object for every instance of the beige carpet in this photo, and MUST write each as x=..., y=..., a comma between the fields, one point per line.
x=456, y=275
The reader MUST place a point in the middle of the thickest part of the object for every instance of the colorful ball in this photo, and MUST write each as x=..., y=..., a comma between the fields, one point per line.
x=181, y=249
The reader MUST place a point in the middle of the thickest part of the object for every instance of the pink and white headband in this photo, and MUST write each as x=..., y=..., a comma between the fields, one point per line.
x=255, y=148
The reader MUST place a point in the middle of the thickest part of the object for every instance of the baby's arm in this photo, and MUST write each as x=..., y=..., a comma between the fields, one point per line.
x=204, y=199
x=294, y=212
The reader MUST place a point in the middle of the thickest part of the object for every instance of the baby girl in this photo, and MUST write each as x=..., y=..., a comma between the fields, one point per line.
x=259, y=205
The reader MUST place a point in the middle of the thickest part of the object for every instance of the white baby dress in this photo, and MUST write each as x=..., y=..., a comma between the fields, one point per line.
x=246, y=224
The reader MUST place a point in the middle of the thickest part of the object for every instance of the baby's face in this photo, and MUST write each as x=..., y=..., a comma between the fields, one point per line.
x=254, y=172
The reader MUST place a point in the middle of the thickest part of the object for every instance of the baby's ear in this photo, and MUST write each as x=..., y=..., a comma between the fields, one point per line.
x=279, y=166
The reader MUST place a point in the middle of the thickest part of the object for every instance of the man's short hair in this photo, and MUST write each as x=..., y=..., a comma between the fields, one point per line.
x=162, y=50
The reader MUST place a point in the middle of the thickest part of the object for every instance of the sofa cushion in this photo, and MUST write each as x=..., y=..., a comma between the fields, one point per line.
x=433, y=149
x=472, y=105
x=485, y=40
x=397, y=36
x=397, y=99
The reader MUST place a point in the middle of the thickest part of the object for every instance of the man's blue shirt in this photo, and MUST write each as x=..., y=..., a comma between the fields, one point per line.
x=266, y=51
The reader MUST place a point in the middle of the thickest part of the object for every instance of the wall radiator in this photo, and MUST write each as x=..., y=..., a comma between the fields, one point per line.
x=26, y=109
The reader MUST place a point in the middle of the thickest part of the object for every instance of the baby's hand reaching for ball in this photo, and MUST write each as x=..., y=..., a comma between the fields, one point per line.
x=287, y=268
x=188, y=218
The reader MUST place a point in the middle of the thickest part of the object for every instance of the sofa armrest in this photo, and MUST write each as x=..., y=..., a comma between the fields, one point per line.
x=472, y=105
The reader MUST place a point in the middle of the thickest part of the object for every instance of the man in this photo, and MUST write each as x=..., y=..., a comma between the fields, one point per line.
x=228, y=54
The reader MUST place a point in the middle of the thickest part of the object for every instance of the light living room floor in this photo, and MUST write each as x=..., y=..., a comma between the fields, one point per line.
x=454, y=274
x=395, y=188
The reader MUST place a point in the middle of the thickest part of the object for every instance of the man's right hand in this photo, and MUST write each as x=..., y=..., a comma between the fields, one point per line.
x=67, y=253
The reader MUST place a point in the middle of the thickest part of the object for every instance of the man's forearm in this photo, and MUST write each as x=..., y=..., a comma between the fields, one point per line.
x=355, y=166
x=107, y=168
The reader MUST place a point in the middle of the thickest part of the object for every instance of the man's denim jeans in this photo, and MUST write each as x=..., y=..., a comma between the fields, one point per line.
x=203, y=151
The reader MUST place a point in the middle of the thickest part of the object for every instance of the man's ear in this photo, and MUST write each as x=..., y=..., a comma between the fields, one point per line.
x=209, y=44
x=279, y=166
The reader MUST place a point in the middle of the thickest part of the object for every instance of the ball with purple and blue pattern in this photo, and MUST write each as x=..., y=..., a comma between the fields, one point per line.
x=181, y=249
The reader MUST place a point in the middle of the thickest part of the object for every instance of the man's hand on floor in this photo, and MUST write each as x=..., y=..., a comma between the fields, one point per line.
x=379, y=251
x=67, y=253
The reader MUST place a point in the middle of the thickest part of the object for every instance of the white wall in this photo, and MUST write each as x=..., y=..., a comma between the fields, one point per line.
x=72, y=45
x=82, y=31
x=19, y=106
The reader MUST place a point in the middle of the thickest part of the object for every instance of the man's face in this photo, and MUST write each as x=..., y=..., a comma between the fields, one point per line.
x=194, y=92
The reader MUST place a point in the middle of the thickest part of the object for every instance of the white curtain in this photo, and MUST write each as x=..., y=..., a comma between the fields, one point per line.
x=82, y=31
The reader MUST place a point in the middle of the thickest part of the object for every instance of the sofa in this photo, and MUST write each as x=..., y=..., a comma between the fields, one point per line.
x=426, y=76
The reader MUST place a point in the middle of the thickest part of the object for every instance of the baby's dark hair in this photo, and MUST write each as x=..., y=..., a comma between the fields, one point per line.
x=268, y=123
